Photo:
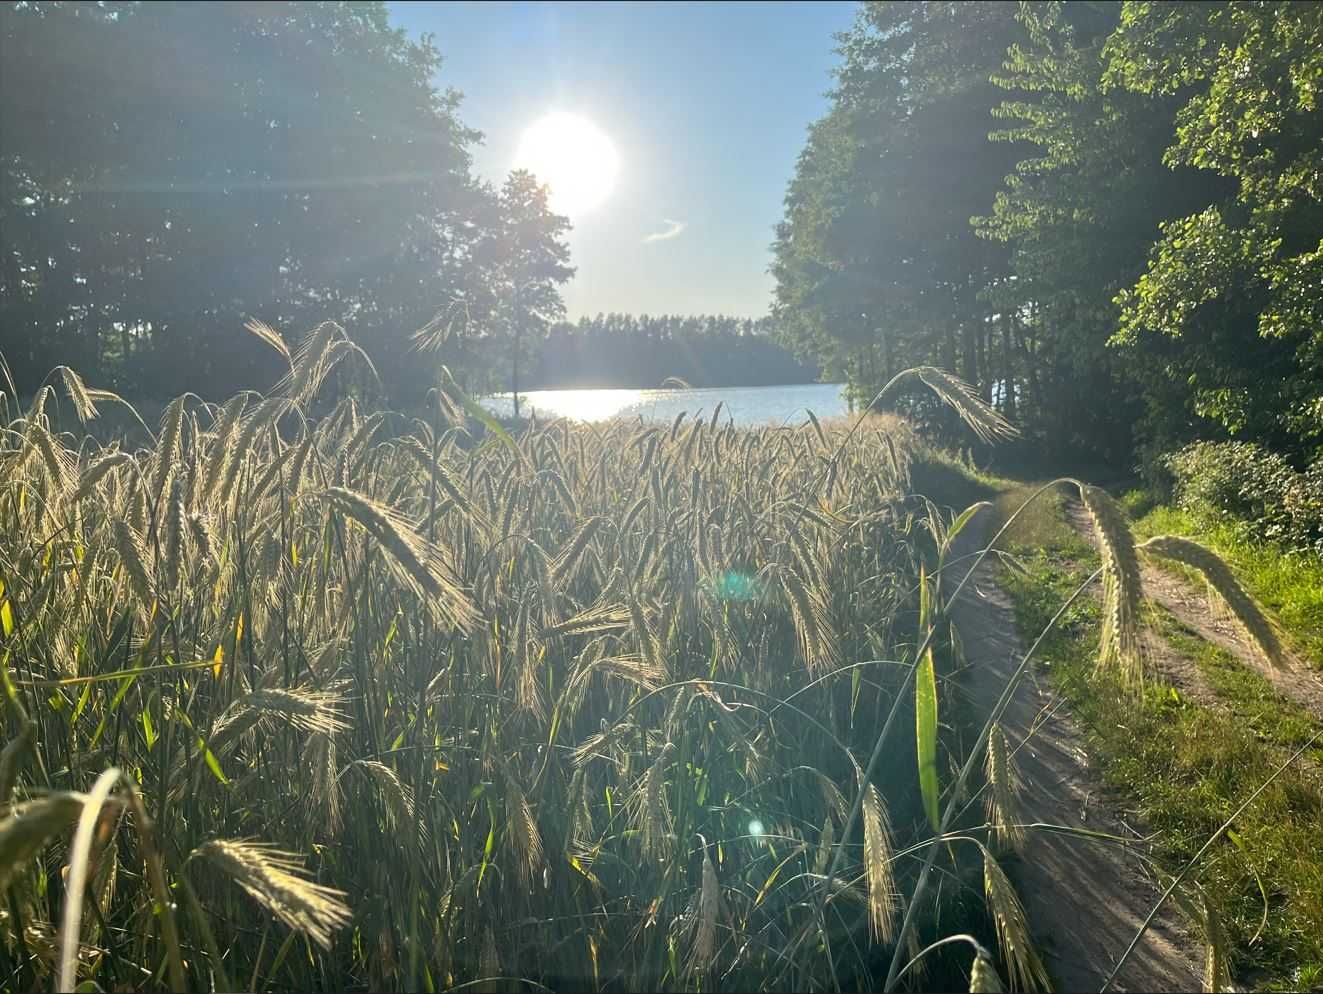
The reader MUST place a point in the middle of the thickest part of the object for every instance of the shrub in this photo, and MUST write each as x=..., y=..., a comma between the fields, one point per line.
x=1255, y=490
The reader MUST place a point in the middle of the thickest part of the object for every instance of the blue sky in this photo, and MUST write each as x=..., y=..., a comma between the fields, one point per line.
x=707, y=104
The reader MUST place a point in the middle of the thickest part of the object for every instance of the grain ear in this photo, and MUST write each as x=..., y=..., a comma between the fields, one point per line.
x=1120, y=644
x=274, y=879
x=1224, y=586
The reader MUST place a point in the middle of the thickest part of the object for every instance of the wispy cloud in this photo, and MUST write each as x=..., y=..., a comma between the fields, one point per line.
x=672, y=230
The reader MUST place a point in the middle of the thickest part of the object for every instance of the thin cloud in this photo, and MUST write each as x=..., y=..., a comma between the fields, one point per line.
x=673, y=229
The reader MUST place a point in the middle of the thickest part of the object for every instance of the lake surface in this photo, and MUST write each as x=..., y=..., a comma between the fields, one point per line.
x=743, y=405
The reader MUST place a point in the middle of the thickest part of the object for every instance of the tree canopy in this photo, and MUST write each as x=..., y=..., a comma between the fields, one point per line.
x=188, y=166
x=1106, y=215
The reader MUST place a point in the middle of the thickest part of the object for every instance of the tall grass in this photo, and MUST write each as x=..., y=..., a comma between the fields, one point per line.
x=386, y=705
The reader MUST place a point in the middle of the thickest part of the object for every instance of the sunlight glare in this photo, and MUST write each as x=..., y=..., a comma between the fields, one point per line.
x=573, y=157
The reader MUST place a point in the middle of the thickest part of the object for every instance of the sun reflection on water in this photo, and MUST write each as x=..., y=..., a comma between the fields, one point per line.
x=582, y=405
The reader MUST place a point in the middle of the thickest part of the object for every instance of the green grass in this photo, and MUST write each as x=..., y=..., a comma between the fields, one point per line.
x=1246, y=692
x=1186, y=768
x=1290, y=585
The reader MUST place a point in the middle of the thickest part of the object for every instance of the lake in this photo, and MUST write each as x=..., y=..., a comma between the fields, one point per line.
x=743, y=405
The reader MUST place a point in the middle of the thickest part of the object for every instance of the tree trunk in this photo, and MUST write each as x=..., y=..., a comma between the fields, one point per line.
x=514, y=359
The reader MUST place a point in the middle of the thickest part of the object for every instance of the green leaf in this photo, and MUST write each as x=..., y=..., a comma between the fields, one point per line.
x=925, y=724
x=6, y=613
x=213, y=763
x=148, y=729
x=959, y=523
x=476, y=411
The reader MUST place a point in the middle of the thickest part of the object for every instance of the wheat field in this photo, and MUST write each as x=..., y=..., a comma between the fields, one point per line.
x=368, y=702
x=307, y=697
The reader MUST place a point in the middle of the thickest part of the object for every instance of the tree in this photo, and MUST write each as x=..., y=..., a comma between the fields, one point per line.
x=533, y=260
x=292, y=162
x=877, y=266
x=1230, y=298
x=1079, y=214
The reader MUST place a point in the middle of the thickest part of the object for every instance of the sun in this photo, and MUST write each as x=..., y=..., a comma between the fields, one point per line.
x=573, y=157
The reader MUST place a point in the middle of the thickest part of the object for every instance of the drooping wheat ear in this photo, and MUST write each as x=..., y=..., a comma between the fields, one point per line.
x=132, y=559
x=173, y=540
x=985, y=422
x=1223, y=584
x=55, y=460
x=396, y=796
x=704, y=949
x=813, y=627
x=271, y=877
x=1193, y=900
x=1003, y=785
x=203, y=539
x=882, y=899
x=97, y=472
x=983, y=977
x=580, y=811
x=418, y=562
x=304, y=708
x=525, y=838
x=319, y=757
x=1026, y=970
x=631, y=669
x=30, y=825
x=825, y=842
x=654, y=810
x=528, y=691
x=649, y=646
x=167, y=446
x=264, y=415
x=1122, y=589
x=269, y=335
x=308, y=363
x=567, y=563
x=1217, y=969
x=591, y=621
x=81, y=398
x=222, y=434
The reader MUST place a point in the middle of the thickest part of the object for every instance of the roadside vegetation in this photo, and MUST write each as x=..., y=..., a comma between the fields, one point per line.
x=1184, y=766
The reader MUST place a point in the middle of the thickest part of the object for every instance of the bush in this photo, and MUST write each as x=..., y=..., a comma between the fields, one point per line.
x=1253, y=489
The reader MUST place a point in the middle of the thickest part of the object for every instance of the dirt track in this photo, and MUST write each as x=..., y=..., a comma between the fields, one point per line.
x=1085, y=899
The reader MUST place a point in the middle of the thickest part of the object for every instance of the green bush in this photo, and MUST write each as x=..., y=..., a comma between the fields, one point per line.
x=1255, y=490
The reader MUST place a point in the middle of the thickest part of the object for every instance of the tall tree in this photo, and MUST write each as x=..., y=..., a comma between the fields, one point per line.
x=1079, y=213
x=533, y=261
x=192, y=165
x=1230, y=300
x=876, y=263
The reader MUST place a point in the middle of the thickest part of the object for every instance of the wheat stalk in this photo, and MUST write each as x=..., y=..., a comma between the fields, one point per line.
x=1223, y=584
x=272, y=878
x=1025, y=968
x=1122, y=590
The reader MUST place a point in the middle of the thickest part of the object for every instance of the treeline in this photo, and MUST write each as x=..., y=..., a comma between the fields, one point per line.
x=624, y=350
x=168, y=171
x=1107, y=215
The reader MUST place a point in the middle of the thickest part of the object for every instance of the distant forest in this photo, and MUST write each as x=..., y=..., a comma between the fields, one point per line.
x=622, y=350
